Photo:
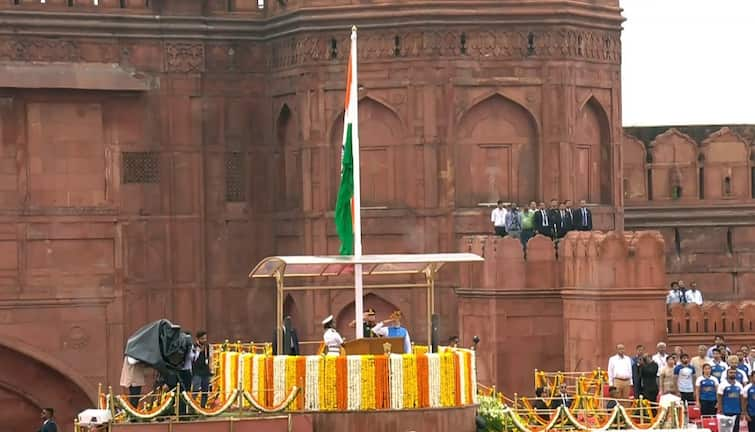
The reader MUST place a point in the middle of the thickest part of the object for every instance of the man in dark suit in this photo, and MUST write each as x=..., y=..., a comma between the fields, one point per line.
x=542, y=222
x=583, y=220
x=554, y=217
x=572, y=216
x=48, y=422
x=566, y=223
x=290, y=338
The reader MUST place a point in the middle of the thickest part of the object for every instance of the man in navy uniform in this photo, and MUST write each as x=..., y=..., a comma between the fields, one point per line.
x=730, y=394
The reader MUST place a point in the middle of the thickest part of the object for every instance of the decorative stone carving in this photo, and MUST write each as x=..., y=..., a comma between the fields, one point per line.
x=76, y=338
x=184, y=57
x=39, y=49
x=601, y=46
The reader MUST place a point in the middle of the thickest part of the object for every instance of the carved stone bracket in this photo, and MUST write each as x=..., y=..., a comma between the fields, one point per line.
x=184, y=57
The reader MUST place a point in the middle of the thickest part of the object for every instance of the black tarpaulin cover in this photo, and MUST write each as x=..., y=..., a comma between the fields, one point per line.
x=160, y=344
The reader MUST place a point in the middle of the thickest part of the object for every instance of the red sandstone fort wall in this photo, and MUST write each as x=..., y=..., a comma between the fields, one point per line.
x=560, y=311
x=707, y=227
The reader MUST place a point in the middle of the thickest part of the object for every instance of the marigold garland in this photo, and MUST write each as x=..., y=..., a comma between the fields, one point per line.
x=312, y=387
x=328, y=383
x=396, y=380
x=369, y=393
x=210, y=412
x=165, y=404
x=434, y=379
x=410, y=381
x=423, y=381
x=457, y=384
x=382, y=389
x=269, y=380
x=354, y=382
x=328, y=386
x=275, y=408
x=301, y=370
x=342, y=384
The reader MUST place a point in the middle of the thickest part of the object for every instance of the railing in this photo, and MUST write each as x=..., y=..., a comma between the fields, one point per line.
x=711, y=318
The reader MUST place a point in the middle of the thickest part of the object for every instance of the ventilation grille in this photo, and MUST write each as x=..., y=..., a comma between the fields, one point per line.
x=235, y=186
x=141, y=167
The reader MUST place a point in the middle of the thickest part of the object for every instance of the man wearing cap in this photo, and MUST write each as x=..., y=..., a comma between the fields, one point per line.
x=368, y=322
x=331, y=338
x=394, y=331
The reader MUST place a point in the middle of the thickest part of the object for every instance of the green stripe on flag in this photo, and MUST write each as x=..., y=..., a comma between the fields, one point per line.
x=344, y=225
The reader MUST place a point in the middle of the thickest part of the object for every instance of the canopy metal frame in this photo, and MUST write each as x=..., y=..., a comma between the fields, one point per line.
x=282, y=267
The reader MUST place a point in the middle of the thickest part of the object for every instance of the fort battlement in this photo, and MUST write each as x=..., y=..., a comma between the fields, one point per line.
x=564, y=306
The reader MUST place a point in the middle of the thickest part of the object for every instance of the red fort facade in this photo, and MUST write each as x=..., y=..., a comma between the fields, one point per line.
x=151, y=152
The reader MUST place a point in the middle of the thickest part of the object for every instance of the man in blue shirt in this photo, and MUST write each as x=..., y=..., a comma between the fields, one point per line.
x=685, y=379
x=730, y=395
x=718, y=366
x=749, y=392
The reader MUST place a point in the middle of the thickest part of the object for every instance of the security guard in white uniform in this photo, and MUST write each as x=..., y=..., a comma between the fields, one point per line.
x=331, y=338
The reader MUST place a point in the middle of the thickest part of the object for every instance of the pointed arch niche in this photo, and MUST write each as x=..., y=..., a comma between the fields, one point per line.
x=635, y=174
x=383, y=308
x=287, y=165
x=674, y=167
x=727, y=163
x=496, y=153
x=382, y=170
x=592, y=154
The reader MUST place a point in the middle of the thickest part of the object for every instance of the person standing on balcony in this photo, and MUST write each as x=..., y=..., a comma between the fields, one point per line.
x=542, y=221
x=528, y=224
x=583, y=221
x=673, y=296
x=514, y=222
x=694, y=295
x=498, y=219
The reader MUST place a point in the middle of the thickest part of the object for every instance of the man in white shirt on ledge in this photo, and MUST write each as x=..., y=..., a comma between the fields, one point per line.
x=498, y=219
x=620, y=373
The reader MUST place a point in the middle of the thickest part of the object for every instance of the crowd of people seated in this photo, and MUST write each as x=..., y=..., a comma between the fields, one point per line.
x=554, y=221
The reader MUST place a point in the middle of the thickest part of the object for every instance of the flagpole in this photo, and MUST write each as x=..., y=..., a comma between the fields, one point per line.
x=354, y=95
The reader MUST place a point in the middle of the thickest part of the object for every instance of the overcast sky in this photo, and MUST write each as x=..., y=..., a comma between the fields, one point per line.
x=688, y=62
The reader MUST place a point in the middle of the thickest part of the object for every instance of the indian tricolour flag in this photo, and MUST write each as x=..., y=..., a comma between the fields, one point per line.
x=348, y=220
x=348, y=210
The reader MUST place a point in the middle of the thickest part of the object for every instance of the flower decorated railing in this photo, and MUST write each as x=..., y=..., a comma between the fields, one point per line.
x=352, y=382
x=499, y=416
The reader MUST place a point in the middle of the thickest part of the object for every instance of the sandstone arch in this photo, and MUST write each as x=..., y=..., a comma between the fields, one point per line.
x=593, y=154
x=382, y=307
x=28, y=384
x=287, y=165
x=385, y=165
x=674, y=167
x=727, y=162
x=496, y=153
x=634, y=170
